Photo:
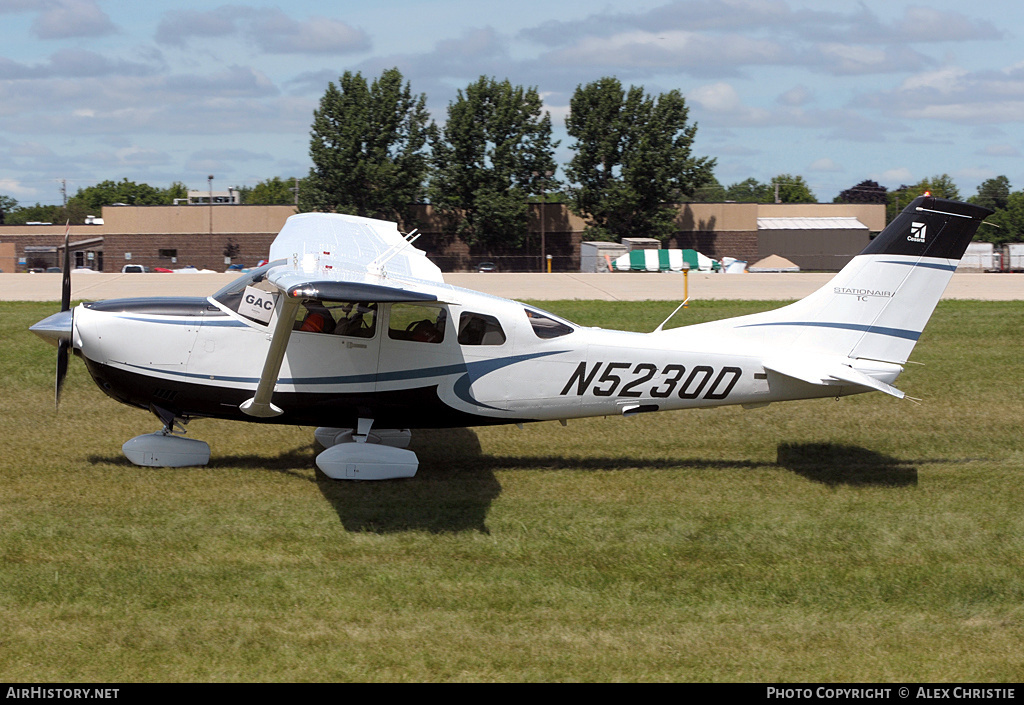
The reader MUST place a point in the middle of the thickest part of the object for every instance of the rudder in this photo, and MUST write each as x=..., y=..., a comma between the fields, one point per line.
x=878, y=305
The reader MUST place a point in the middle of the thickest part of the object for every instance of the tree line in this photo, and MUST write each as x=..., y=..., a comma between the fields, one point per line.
x=90, y=201
x=376, y=152
x=1006, y=224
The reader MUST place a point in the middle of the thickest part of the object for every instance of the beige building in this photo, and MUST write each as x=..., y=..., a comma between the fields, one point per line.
x=8, y=257
x=214, y=236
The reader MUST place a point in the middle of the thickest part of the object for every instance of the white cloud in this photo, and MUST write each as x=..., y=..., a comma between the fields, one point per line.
x=796, y=96
x=900, y=175
x=701, y=54
x=716, y=97
x=64, y=19
x=824, y=164
x=268, y=29
x=1001, y=150
x=15, y=187
x=955, y=95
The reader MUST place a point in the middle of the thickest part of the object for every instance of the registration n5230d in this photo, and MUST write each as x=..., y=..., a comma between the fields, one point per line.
x=644, y=379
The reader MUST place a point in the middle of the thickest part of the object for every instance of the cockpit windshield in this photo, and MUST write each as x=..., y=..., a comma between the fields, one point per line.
x=231, y=295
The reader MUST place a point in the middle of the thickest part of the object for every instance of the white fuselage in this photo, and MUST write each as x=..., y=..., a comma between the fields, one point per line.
x=209, y=352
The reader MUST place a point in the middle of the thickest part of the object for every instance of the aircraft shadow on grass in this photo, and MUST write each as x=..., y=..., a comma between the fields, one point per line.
x=451, y=493
x=837, y=464
x=456, y=484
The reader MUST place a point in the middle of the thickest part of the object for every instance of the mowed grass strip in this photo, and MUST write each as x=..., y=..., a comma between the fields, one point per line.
x=866, y=539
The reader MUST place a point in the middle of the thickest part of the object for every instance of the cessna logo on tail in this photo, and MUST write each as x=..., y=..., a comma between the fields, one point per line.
x=917, y=232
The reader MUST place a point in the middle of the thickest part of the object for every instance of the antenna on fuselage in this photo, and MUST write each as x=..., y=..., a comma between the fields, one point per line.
x=658, y=329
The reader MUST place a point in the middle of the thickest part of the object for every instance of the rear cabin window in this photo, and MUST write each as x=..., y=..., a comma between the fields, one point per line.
x=348, y=318
x=545, y=326
x=480, y=329
x=423, y=324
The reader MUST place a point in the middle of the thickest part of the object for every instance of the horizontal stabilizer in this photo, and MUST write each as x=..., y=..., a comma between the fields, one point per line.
x=829, y=373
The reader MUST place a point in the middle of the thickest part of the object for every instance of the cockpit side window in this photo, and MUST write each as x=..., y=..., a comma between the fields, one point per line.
x=348, y=318
x=480, y=329
x=424, y=324
x=546, y=326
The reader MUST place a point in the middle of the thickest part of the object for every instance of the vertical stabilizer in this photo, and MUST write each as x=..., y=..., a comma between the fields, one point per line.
x=878, y=305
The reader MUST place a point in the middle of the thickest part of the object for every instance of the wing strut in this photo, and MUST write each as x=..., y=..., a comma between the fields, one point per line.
x=259, y=405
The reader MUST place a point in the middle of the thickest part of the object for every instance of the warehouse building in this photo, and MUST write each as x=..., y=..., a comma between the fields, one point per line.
x=216, y=236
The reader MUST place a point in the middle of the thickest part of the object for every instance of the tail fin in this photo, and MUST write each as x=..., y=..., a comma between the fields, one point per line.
x=877, y=306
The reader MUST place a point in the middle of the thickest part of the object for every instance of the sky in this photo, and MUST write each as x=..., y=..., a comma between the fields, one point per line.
x=837, y=92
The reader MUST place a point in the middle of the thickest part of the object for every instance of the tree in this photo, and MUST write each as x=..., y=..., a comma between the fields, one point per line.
x=92, y=198
x=1007, y=223
x=750, y=191
x=711, y=192
x=494, y=152
x=368, y=146
x=7, y=204
x=633, y=159
x=39, y=213
x=864, y=192
x=791, y=189
x=993, y=193
x=232, y=249
x=271, y=192
x=940, y=186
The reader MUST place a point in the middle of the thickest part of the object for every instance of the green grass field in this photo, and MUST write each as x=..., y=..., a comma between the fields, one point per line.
x=866, y=539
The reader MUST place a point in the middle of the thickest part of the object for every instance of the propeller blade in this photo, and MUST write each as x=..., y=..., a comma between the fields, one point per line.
x=65, y=288
x=64, y=345
x=62, y=367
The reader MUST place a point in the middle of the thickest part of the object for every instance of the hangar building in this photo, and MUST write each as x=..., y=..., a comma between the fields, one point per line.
x=215, y=236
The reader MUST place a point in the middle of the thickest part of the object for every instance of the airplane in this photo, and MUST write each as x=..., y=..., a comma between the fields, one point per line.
x=352, y=330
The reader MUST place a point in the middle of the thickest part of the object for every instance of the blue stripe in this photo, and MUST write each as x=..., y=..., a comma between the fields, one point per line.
x=926, y=265
x=197, y=322
x=877, y=330
x=477, y=369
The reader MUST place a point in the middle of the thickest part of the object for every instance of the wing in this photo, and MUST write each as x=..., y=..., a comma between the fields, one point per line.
x=335, y=257
x=338, y=247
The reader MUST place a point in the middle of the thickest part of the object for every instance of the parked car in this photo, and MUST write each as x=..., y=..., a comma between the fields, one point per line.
x=52, y=270
x=133, y=269
x=487, y=267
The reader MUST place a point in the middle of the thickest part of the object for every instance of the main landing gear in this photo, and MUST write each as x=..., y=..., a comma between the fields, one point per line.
x=351, y=453
x=362, y=454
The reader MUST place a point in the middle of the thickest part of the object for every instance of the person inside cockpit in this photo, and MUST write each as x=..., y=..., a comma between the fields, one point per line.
x=318, y=319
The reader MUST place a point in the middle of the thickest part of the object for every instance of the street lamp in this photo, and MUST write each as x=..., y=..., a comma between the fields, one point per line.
x=209, y=181
x=545, y=261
